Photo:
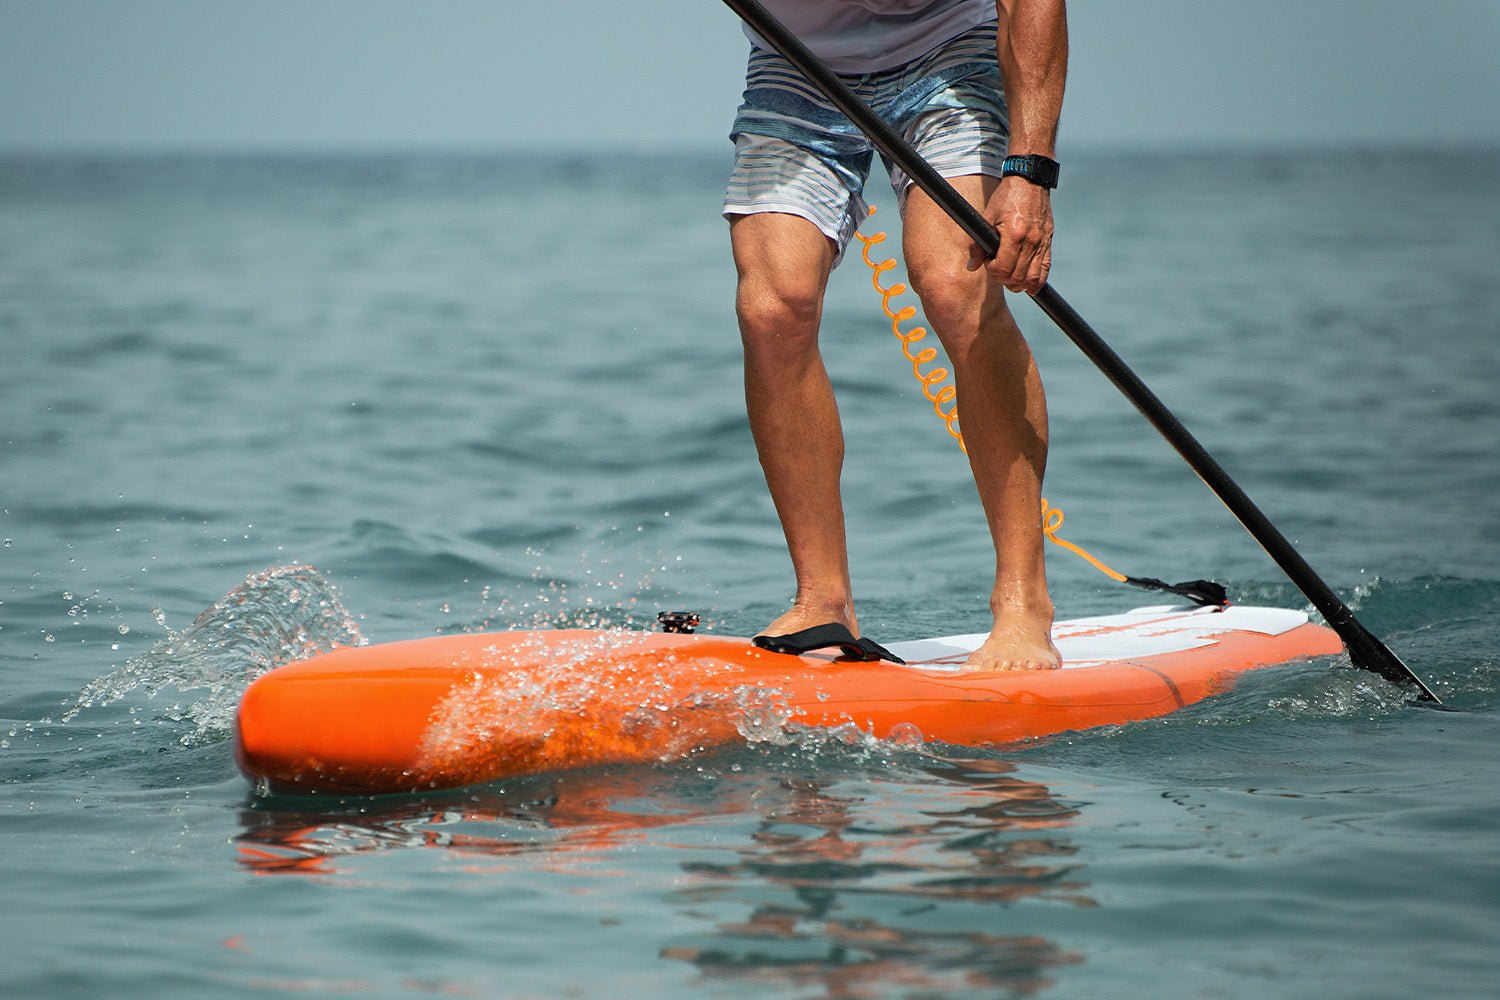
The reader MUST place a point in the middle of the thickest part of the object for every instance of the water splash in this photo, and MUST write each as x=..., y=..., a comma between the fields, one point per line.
x=586, y=589
x=538, y=700
x=765, y=716
x=1344, y=694
x=275, y=616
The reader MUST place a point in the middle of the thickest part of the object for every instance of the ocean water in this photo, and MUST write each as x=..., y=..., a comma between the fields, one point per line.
x=256, y=406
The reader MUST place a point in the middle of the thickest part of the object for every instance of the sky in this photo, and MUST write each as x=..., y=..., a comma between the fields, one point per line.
x=667, y=74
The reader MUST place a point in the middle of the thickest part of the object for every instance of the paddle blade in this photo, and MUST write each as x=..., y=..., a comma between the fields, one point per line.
x=1369, y=653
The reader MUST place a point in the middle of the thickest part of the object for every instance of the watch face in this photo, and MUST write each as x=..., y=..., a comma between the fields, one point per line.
x=1037, y=169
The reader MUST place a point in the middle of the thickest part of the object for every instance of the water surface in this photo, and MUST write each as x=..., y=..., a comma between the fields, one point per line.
x=497, y=392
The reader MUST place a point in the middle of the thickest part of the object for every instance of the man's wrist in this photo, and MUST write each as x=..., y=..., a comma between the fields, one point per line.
x=1039, y=170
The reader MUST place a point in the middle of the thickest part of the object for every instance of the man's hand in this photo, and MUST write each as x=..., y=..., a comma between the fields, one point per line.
x=1022, y=212
x=1031, y=43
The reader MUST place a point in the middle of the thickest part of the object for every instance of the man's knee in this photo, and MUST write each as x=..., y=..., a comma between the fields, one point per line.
x=953, y=298
x=783, y=263
x=778, y=309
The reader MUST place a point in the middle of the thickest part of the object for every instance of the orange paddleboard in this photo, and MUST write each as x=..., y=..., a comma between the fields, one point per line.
x=465, y=709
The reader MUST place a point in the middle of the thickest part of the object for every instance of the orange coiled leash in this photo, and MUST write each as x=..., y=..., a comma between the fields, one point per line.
x=933, y=377
x=1052, y=519
x=1198, y=591
x=1204, y=592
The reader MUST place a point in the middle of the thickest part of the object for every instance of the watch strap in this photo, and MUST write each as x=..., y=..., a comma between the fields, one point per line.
x=1040, y=170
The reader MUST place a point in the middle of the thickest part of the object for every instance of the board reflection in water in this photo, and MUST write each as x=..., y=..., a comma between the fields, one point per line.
x=843, y=878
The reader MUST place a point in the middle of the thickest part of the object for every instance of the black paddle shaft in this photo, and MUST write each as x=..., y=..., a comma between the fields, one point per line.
x=1365, y=650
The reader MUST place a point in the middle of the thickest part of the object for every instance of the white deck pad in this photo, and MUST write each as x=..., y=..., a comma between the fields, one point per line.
x=1090, y=642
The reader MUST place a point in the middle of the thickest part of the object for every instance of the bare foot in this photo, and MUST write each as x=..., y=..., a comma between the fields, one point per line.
x=1016, y=646
x=809, y=614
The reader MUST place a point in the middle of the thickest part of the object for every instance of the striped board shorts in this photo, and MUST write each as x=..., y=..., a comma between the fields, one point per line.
x=796, y=153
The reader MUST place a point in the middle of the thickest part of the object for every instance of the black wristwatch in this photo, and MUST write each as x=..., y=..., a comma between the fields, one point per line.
x=1039, y=170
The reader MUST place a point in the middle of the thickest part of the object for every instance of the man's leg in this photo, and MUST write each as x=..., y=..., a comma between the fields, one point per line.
x=783, y=263
x=1003, y=416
